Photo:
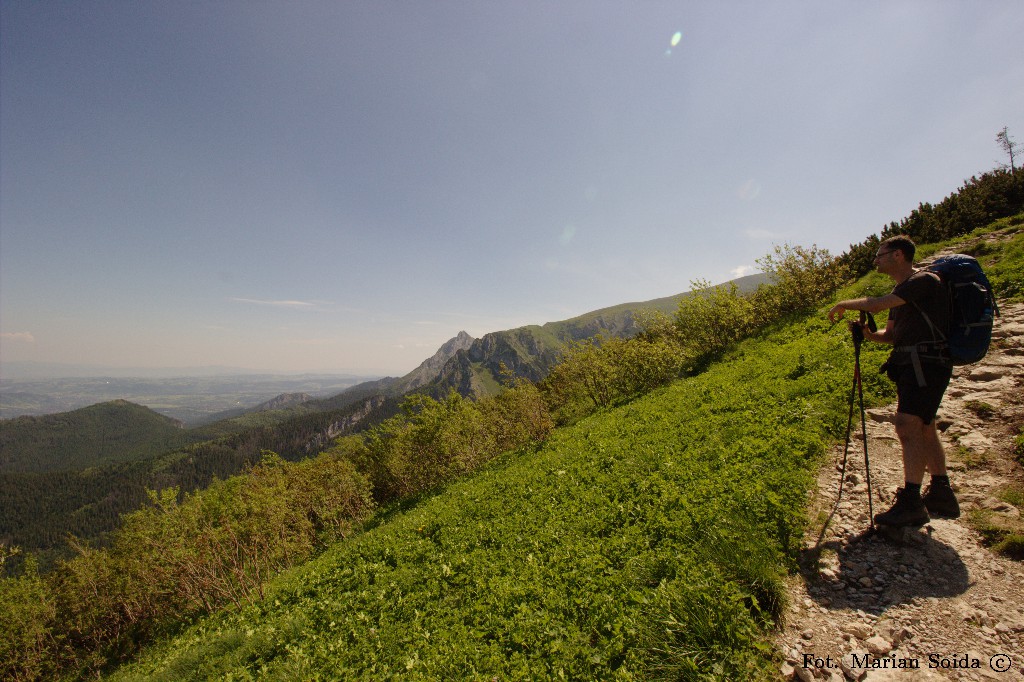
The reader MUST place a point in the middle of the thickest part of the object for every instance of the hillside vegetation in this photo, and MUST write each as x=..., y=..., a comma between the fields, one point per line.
x=107, y=433
x=649, y=538
x=646, y=537
x=102, y=476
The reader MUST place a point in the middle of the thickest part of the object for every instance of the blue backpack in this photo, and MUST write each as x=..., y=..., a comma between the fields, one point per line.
x=972, y=308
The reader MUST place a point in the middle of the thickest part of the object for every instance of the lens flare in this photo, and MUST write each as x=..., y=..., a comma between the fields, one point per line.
x=676, y=38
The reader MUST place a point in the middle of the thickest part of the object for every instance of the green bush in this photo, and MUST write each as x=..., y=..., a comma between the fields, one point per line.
x=596, y=373
x=27, y=617
x=177, y=559
x=434, y=441
x=800, y=280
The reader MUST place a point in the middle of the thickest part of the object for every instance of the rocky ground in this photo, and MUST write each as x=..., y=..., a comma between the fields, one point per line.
x=928, y=604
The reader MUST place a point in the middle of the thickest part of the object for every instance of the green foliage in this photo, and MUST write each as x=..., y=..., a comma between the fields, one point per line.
x=26, y=614
x=980, y=408
x=599, y=372
x=596, y=373
x=179, y=558
x=434, y=441
x=801, y=279
x=715, y=319
x=1003, y=533
x=979, y=202
x=38, y=510
x=1005, y=269
x=704, y=631
x=647, y=540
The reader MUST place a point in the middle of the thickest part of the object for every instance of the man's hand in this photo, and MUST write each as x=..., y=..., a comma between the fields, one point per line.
x=836, y=313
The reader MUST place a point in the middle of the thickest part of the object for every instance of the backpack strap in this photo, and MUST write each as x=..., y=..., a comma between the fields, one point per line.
x=933, y=352
x=938, y=337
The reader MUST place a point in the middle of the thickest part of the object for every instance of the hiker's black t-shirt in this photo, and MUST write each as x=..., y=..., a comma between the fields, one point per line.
x=909, y=326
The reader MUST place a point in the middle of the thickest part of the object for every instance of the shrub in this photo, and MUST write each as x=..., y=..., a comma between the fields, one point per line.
x=175, y=559
x=596, y=373
x=434, y=441
x=801, y=278
x=27, y=614
x=714, y=318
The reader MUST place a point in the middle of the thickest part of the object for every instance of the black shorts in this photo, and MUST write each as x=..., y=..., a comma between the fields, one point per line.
x=920, y=401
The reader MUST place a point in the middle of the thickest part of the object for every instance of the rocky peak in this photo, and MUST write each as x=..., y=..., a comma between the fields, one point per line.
x=430, y=368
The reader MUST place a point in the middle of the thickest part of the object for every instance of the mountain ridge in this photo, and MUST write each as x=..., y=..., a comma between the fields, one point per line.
x=529, y=352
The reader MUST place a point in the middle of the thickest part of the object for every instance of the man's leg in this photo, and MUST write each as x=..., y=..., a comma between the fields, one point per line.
x=939, y=499
x=922, y=450
x=934, y=452
x=918, y=451
x=921, y=447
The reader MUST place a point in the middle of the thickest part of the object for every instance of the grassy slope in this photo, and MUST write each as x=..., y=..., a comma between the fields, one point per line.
x=635, y=535
x=556, y=561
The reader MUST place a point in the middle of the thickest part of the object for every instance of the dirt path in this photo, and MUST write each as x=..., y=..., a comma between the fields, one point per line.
x=935, y=601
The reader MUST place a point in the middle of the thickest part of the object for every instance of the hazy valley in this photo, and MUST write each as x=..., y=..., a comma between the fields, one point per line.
x=193, y=400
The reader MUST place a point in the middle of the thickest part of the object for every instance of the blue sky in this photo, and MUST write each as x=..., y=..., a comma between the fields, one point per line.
x=346, y=185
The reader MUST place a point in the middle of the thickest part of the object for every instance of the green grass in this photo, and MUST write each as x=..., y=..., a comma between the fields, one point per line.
x=648, y=540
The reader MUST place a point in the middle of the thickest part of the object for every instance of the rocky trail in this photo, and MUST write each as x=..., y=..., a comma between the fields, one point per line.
x=928, y=604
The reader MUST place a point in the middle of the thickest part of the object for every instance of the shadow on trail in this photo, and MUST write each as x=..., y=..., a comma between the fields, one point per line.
x=874, y=572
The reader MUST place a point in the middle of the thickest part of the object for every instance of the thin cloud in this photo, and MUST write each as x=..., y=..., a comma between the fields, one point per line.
x=25, y=337
x=280, y=304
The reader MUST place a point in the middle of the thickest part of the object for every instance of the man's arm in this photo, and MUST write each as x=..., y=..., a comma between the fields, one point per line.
x=870, y=304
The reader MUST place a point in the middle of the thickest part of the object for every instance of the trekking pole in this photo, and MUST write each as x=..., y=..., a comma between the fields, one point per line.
x=858, y=339
x=857, y=390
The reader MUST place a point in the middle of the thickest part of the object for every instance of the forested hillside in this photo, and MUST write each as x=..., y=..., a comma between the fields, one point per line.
x=39, y=509
x=107, y=433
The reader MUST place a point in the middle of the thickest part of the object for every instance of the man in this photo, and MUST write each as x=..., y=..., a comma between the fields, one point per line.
x=921, y=369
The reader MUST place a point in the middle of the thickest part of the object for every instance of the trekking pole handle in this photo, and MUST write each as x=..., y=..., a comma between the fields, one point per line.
x=857, y=329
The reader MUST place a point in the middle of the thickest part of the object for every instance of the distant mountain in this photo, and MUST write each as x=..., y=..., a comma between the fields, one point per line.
x=368, y=392
x=283, y=401
x=106, y=433
x=194, y=400
x=430, y=368
x=530, y=352
x=280, y=402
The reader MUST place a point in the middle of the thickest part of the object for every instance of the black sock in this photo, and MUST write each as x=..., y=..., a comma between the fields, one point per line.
x=913, y=489
x=940, y=481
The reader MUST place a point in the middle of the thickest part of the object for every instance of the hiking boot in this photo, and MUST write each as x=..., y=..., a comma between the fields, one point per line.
x=908, y=511
x=941, y=502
